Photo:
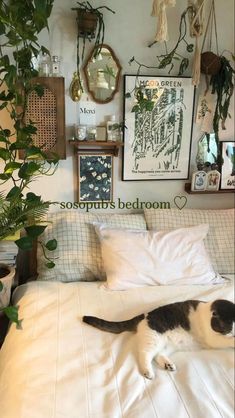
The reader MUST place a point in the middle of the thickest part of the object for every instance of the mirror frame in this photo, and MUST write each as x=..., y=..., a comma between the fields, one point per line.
x=119, y=68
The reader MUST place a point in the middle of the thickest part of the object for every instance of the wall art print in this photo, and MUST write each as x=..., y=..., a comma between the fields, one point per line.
x=157, y=143
x=228, y=165
x=95, y=178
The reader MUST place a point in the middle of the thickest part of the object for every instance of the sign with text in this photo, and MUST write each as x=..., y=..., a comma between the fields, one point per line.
x=87, y=113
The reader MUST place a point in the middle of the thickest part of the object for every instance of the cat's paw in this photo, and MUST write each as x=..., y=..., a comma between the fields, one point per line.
x=148, y=374
x=171, y=367
x=165, y=363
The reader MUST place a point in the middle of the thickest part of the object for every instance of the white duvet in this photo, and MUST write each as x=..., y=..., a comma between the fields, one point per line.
x=59, y=367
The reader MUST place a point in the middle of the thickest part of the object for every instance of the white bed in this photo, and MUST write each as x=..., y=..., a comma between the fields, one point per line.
x=57, y=366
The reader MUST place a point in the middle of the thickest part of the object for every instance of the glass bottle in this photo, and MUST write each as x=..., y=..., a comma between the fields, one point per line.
x=55, y=66
x=44, y=66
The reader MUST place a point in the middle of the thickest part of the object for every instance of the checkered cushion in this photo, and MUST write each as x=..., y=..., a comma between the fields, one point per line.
x=78, y=252
x=220, y=239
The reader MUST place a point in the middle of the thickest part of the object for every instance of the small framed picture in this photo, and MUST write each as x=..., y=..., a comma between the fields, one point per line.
x=213, y=180
x=95, y=178
x=199, y=181
x=228, y=165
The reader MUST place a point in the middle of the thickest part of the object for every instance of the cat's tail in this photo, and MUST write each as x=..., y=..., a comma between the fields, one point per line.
x=115, y=327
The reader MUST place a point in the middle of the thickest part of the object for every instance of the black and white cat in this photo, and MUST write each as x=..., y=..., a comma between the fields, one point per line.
x=188, y=325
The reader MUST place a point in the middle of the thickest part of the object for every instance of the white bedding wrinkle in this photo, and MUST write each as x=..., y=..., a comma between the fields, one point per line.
x=59, y=367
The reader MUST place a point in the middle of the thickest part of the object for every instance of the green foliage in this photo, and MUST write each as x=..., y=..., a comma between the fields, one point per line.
x=143, y=103
x=222, y=84
x=86, y=7
x=20, y=24
x=169, y=58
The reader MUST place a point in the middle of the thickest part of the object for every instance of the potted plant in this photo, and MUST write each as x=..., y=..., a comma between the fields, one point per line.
x=20, y=208
x=91, y=24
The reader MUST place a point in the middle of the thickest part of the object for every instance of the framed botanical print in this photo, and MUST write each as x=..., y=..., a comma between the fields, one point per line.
x=95, y=178
x=157, y=142
x=228, y=165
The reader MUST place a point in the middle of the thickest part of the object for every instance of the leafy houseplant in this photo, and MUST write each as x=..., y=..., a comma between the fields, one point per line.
x=90, y=23
x=21, y=209
x=222, y=83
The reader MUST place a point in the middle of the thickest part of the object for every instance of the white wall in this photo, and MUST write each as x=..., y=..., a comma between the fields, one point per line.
x=128, y=32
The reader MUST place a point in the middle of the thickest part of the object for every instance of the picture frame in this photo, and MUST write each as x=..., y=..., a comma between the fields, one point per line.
x=213, y=180
x=199, y=181
x=228, y=165
x=157, y=142
x=95, y=177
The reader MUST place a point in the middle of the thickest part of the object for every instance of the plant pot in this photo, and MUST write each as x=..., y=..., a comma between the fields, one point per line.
x=7, y=275
x=87, y=23
x=210, y=63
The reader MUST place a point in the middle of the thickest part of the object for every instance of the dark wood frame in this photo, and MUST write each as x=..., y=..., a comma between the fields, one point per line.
x=109, y=99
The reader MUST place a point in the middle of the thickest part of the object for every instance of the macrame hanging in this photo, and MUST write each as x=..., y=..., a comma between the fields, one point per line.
x=211, y=62
x=159, y=10
x=196, y=18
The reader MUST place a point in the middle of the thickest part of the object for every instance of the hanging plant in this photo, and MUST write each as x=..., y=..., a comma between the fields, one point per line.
x=222, y=83
x=169, y=58
x=91, y=24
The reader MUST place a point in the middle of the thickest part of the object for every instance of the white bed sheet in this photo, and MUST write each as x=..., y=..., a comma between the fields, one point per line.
x=58, y=367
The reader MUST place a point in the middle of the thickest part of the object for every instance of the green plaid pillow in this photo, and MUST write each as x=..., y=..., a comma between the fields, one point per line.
x=78, y=251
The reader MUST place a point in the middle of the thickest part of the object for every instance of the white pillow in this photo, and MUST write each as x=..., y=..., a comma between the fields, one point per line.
x=140, y=258
x=219, y=242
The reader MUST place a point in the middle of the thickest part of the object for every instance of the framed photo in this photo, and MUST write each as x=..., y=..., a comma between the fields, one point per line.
x=228, y=165
x=213, y=180
x=95, y=178
x=157, y=142
x=199, y=181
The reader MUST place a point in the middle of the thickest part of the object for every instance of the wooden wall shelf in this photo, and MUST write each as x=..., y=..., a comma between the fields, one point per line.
x=102, y=147
x=187, y=188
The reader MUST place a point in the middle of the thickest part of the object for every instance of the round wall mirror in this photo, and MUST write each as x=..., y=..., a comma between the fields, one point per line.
x=102, y=72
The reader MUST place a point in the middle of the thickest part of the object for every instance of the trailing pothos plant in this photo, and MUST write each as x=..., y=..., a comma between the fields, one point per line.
x=20, y=208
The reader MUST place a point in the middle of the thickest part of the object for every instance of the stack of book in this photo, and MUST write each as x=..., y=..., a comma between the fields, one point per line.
x=8, y=252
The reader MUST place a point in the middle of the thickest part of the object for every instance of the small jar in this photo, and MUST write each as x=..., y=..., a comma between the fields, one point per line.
x=91, y=133
x=80, y=132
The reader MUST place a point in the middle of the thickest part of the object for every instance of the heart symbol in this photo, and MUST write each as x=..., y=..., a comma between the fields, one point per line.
x=180, y=201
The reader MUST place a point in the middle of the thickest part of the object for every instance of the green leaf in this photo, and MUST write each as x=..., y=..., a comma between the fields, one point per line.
x=28, y=169
x=4, y=154
x=4, y=176
x=183, y=66
x=190, y=47
x=12, y=313
x=127, y=95
x=10, y=167
x=32, y=197
x=14, y=192
x=51, y=245
x=34, y=153
x=39, y=89
x=25, y=243
x=1, y=286
x=18, y=145
x=135, y=108
x=35, y=230
x=50, y=265
x=165, y=61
